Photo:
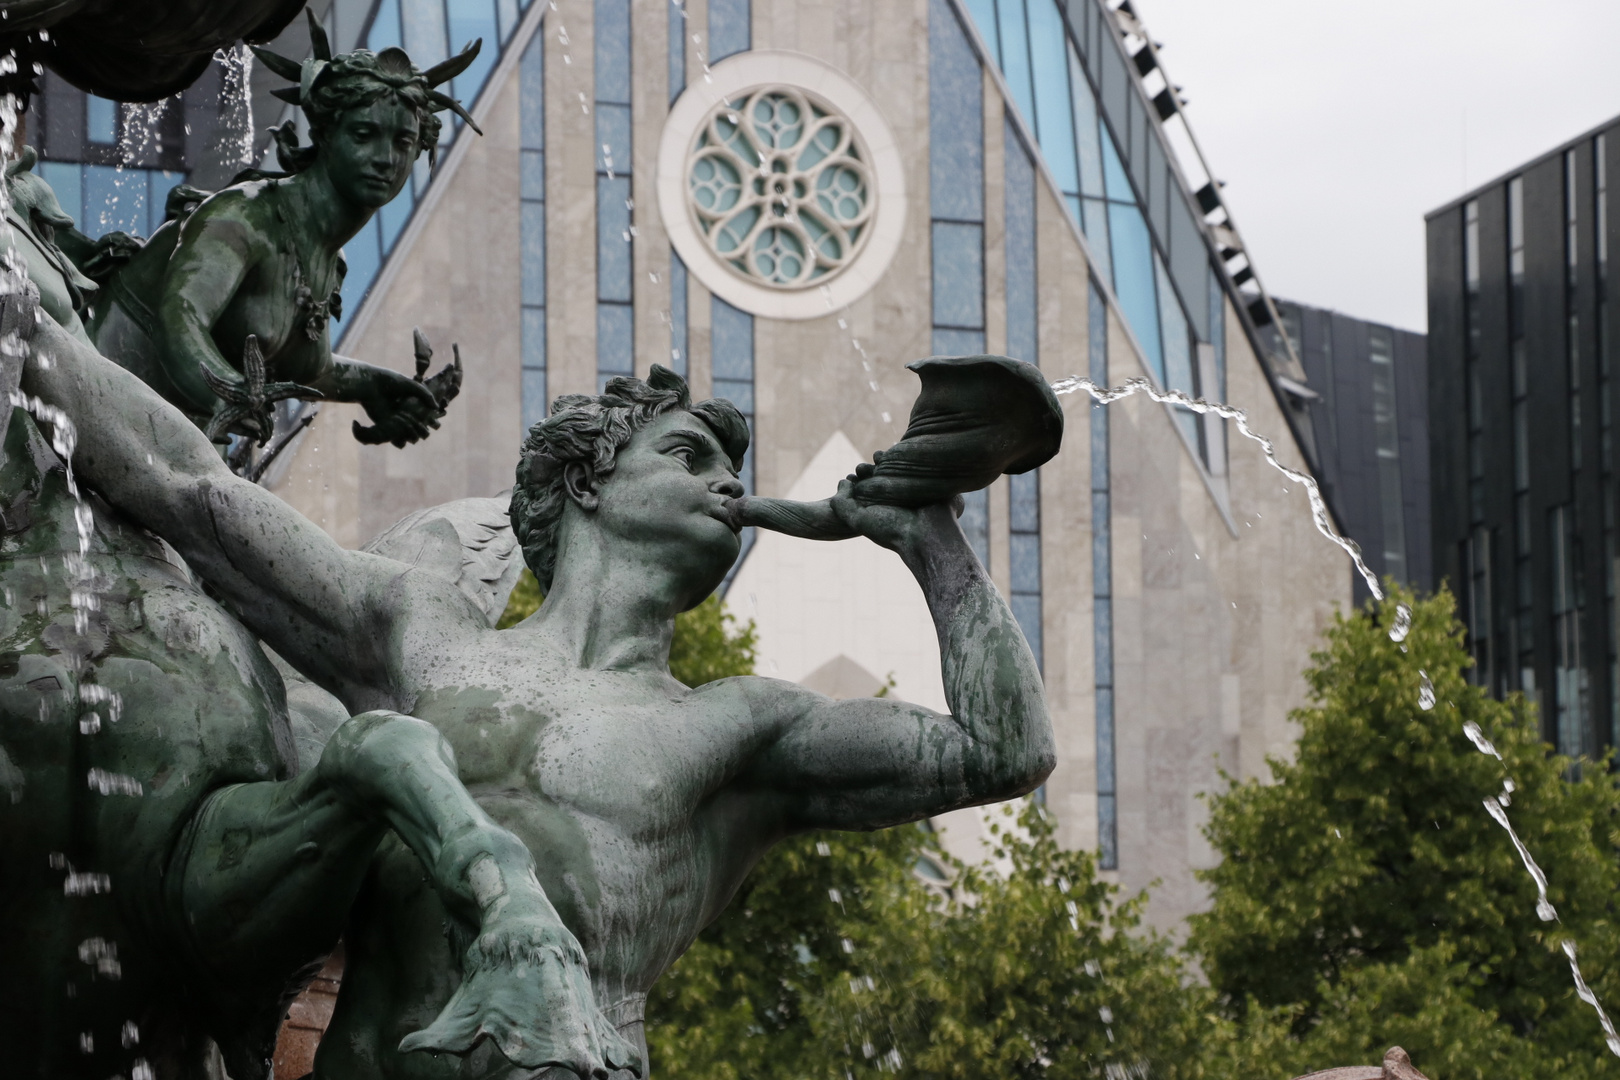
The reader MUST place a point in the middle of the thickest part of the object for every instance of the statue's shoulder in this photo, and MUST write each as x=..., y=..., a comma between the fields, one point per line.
x=247, y=207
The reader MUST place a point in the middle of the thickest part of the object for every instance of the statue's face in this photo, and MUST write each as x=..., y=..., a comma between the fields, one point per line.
x=667, y=494
x=369, y=152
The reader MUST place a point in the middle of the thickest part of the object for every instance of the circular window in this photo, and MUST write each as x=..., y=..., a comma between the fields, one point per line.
x=783, y=194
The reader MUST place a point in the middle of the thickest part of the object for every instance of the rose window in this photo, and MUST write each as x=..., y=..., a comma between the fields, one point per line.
x=779, y=188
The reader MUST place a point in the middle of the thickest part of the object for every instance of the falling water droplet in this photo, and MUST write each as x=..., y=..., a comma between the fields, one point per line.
x=1402, y=625
x=1425, y=691
x=1481, y=743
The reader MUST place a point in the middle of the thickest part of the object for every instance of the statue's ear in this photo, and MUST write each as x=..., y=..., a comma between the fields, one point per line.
x=579, y=479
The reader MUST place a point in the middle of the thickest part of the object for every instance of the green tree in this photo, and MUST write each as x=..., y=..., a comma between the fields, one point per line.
x=708, y=643
x=1365, y=896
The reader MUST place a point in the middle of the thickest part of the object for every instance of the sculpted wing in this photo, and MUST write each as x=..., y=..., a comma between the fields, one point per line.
x=468, y=542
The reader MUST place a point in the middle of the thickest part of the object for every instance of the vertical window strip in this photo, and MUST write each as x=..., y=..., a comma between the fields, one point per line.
x=730, y=28
x=1102, y=574
x=677, y=48
x=732, y=364
x=1024, y=492
x=615, y=225
x=679, y=334
x=956, y=189
x=532, y=136
x=1600, y=260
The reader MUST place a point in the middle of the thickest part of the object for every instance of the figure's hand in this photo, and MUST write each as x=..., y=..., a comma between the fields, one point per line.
x=402, y=409
x=901, y=529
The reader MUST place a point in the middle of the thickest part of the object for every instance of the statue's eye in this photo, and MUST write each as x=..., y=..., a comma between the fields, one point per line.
x=684, y=455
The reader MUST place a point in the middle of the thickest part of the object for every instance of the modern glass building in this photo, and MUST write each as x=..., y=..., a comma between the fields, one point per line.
x=1520, y=383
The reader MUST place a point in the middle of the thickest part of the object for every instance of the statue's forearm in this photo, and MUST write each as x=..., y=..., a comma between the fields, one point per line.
x=991, y=680
x=346, y=379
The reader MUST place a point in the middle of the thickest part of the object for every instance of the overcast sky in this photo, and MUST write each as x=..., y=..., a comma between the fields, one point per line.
x=1337, y=124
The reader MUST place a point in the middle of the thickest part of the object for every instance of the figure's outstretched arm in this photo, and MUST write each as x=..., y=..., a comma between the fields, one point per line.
x=323, y=607
x=209, y=264
x=871, y=762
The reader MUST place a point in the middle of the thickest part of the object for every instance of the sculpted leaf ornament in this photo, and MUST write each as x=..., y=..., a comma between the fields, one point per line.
x=780, y=188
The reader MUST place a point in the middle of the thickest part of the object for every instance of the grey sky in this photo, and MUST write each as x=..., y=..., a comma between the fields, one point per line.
x=1337, y=124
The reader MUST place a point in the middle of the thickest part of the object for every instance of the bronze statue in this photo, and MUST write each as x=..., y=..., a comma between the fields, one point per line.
x=643, y=802
x=263, y=258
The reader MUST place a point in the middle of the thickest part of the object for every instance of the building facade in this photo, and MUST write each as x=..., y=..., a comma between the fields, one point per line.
x=1521, y=408
x=1367, y=395
x=788, y=201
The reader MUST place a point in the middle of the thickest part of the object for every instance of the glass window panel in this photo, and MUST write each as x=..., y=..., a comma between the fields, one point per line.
x=534, y=175
x=1099, y=447
x=100, y=119
x=952, y=342
x=1105, y=739
x=393, y=216
x=534, y=396
x=1049, y=57
x=1217, y=330
x=615, y=339
x=613, y=51
x=1178, y=368
x=737, y=391
x=1020, y=194
x=1102, y=554
x=1158, y=186
x=1114, y=81
x=613, y=139
x=1075, y=212
x=384, y=32
x=975, y=522
x=532, y=90
x=1189, y=262
x=470, y=20
x=958, y=275
x=1133, y=280
x=1024, y=497
x=507, y=11
x=955, y=119
x=1096, y=224
x=1089, y=150
x=533, y=226
x=677, y=49
x=364, y=258
x=612, y=239
x=1027, y=610
x=1015, y=55
x=1102, y=612
x=423, y=23
x=731, y=343
x=1117, y=183
x=1137, y=153
x=729, y=28
x=534, y=337
x=1097, y=331
x=678, y=335
x=114, y=199
x=984, y=17
x=159, y=182
x=67, y=180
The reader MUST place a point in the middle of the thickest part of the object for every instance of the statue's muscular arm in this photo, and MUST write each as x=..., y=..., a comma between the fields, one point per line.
x=331, y=611
x=871, y=762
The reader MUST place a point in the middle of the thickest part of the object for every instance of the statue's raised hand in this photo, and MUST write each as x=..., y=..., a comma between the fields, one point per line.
x=405, y=409
x=899, y=528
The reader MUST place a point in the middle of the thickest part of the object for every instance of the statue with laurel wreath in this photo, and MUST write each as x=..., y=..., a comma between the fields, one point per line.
x=227, y=309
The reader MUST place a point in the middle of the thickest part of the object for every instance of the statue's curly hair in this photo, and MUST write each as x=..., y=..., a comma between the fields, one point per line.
x=591, y=428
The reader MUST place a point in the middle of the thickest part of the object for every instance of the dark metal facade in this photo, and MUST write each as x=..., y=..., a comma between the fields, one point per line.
x=1521, y=404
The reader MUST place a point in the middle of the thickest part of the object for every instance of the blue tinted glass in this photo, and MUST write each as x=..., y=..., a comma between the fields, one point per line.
x=1217, y=331
x=1027, y=610
x=955, y=119
x=534, y=175
x=613, y=239
x=1158, y=186
x=1105, y=738
x=1020, y=194
x=425, y=40
x=100, y=119
x=729, y=29
x=1107, y=834
x=1015, y=56
x=1072, y=202
x=1055, y=129
x=1099, y=448
x=984, y=17
x=613, y=51
x=1097, y=237
x=1133, y=280
x=1024, y=509
x=67, y=180
x=1102, y=620
x=534, y=337
x=677, y=49
x=114, y=200
x=532, y=91
x=1102, y=555
x=1089, y=150
x=1118, y=185
x=731, y=343
x=1025, y=552
x=1178, y=370
x=469, y=20
x=958, y=275
x=364, y=258
x=394, y=215
x=950, y=342
x=737, y=391
x=508, y=12
x=1189, y=262
x=613, y=139
x=615, y=339
x=384, y=33
x=975, y=522
x=677, y=314
x=534, y=396
x=1097, y=331
x=159, y=183
x=1113, y=82
x=533, y=239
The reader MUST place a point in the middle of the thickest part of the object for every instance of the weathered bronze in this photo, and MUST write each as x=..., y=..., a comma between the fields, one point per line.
x=263, y=257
